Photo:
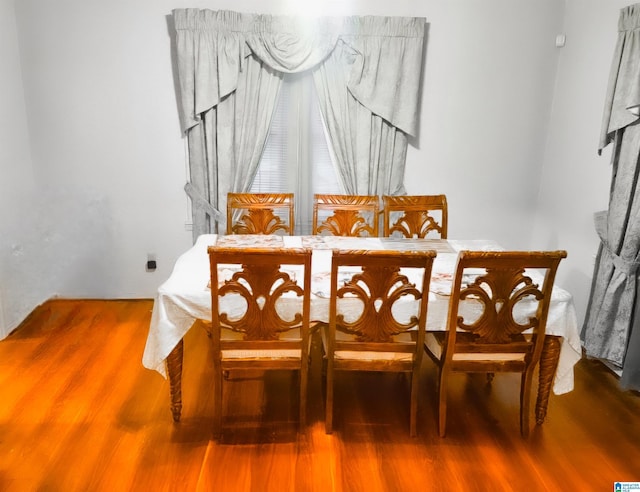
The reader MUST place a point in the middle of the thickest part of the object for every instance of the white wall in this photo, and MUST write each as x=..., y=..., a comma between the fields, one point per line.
x=488, y=89
x=109, y=156
x=17, y=298
x=575, y=180
x=106, y=144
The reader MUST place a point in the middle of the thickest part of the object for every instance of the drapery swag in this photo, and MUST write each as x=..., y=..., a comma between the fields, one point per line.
x=367, y=74
x=612, y=325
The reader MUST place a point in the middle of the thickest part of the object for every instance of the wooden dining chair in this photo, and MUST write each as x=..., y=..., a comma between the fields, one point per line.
x=249, y=289
x=260, y=213
x=497, y=319
x=345, y=215
x=415, y=216
x=375, y=336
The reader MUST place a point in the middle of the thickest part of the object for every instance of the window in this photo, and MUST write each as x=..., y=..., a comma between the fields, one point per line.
x=297, y=157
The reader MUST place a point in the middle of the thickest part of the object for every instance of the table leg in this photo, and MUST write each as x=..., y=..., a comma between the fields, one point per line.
x=548, y=365
x=174, y=371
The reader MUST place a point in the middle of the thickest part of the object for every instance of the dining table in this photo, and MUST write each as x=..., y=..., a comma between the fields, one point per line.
x=185, y=297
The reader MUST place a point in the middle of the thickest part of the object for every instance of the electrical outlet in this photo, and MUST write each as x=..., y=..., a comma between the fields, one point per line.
x=152, y=262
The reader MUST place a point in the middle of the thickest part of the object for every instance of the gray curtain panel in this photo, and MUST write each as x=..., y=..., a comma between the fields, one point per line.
x=610, y=330
x=370, y=151
x=230, y=65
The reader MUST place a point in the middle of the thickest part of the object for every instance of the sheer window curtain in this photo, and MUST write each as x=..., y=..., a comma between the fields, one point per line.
x=367, y=75
x=296, y=156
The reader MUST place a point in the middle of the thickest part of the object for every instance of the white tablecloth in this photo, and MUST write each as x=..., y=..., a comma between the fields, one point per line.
x=185, y=297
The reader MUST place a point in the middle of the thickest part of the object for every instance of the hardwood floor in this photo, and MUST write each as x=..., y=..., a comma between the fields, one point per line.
x=79, y=412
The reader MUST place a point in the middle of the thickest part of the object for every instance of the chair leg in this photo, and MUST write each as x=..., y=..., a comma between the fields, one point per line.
x=442, y=402
x=525, y=399
x=323, y=380
x=413, y=410
x=328, y=417
x=303, y=394
x=217, y=403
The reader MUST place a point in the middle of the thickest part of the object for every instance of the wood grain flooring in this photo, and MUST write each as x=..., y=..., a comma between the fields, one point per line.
x=78, y=412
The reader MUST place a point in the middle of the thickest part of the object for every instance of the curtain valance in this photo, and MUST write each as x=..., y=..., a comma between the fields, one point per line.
x=366, y=73
x=385, y=54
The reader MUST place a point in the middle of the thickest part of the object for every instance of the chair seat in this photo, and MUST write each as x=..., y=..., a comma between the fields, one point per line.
x=261, y=354
x=372, y=356
x=369, y=355
x=434, y=342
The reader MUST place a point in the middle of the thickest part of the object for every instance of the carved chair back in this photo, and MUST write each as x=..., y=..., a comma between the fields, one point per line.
x=260, y=213
x=345, y=215
x=415, y=216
